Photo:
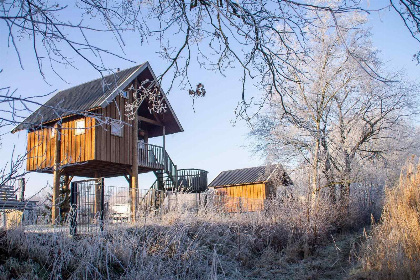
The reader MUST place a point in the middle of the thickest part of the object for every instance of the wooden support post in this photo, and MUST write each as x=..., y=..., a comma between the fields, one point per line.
x=56, y=176
x=164, y=147
x=97, y=206
x=134, y=184
x=22, y=189
x=163, y=139
x=65, y=207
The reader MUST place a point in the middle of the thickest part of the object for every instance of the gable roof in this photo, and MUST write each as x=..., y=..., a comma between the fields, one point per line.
x=247, y=176
x=86, y=97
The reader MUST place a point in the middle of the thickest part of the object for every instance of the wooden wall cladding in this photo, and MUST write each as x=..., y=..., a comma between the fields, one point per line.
x=249, y=197
x=96, y=143
x=74, y=148
x=110, y=147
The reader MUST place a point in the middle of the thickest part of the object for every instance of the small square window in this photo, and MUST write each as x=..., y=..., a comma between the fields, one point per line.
x=80, y=127
x=124, y=94
x=117, y=128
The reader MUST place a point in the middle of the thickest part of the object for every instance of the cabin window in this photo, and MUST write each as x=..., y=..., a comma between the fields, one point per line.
x=52, y=132
x=117, y=128
x=80, y=127
x=124, y=94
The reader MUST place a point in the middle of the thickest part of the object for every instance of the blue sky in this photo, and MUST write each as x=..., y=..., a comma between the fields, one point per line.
x=209, y=140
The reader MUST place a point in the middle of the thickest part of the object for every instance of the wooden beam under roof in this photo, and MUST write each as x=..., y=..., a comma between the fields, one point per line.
x=143, y=119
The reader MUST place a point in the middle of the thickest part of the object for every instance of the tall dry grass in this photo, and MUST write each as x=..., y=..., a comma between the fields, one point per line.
x=393, y=249
x=181, y=244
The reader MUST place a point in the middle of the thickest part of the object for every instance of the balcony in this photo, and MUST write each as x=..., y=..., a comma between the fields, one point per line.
x=155, y=157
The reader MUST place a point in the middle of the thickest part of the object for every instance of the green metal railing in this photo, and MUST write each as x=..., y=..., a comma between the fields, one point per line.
x=191, y=180
x=169, y=178
x=156, y=157
x=188, y=180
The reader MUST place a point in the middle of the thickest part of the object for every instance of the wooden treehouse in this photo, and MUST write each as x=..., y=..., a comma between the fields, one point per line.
x=88, y=131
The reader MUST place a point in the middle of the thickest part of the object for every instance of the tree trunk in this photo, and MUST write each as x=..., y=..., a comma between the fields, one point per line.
x=328, y=171
x=315, y=171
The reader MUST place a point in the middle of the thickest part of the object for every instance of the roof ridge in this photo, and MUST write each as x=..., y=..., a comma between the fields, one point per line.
x=97, y=79
x=245, y=168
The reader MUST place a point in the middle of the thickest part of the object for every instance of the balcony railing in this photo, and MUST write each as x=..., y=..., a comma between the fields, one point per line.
x=151, y=156
x=192, y=180
x=155, y=157
x=187, y=180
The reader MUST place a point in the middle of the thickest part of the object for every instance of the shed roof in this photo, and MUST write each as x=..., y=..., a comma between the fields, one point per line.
x=245, y=176
x=87, y=96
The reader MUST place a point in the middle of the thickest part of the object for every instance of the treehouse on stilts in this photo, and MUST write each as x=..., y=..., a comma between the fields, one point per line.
x=100, y=129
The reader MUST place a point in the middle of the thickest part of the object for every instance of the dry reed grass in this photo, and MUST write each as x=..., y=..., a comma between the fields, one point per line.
x=393, y=249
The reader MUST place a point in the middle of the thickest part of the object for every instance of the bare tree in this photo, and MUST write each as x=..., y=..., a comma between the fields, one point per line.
x=336, y=114
x=409, y=11
x=215, y=34
x=261, y=38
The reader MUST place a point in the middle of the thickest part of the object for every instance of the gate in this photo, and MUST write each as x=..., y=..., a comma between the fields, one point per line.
x=94, y=205
x=87, y=206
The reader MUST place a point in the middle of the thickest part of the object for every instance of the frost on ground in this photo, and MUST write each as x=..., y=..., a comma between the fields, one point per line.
x=281, y=242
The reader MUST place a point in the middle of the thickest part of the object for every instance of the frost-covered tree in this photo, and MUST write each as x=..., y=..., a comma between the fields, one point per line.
x=335, y=114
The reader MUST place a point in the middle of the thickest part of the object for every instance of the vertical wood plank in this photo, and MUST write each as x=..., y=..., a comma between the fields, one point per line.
x=93, y=139
x=123, y=146
x=40, y=150
x=48, y=147
x=117, y=139
x=97, y=138
x=82, y=140
x=108, y=134
x=43, y=147
x=45, y=144
x=104, y=151
x=88, y=139
x=120, y=146
x=32, y=152
x=264, y=193
x=77, y=146
x=51, y=148
x=72, y=149
x=29, y=151
x=67, y=149
x=36, y=151
x=63, y=142
x=112, y=115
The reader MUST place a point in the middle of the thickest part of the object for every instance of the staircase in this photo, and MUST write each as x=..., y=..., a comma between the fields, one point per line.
x=168, y=176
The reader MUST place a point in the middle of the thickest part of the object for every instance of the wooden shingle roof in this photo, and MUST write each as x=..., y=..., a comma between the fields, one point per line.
x=86, y=97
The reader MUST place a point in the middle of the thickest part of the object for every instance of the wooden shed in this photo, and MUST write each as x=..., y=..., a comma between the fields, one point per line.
x=246, y=189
